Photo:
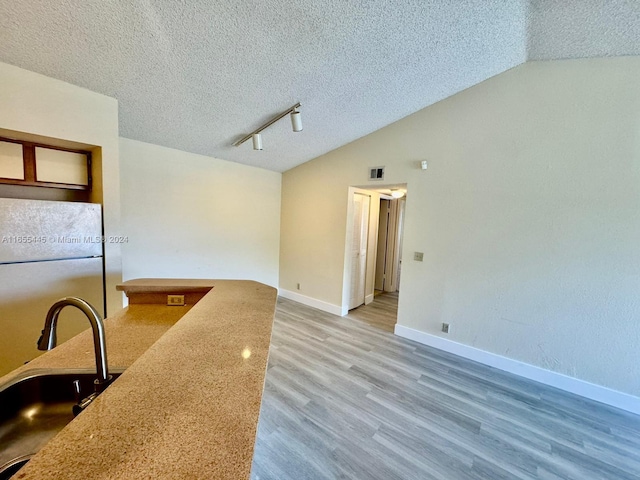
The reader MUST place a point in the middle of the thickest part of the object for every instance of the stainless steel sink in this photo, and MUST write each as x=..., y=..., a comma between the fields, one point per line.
x=34, y=407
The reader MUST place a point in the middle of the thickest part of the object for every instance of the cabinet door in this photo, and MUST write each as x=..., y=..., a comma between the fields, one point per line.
x=11, y=163
x=59, y=166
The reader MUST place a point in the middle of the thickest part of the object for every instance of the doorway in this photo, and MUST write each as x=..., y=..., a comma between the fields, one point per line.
x=373, y=261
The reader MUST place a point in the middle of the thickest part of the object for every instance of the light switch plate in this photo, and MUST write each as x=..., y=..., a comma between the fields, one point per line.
x=417, y=256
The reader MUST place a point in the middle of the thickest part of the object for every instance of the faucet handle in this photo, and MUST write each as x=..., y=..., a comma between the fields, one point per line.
x=40, y=339
x=47, y=339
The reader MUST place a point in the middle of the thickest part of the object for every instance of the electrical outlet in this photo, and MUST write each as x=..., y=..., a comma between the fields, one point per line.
x=445, y=328
x=298, y=286
x=175, y=300
x=418, y=256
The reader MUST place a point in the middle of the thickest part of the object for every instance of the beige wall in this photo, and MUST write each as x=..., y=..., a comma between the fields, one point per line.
x=193, y=216
x=528, y=217
x=38, y=108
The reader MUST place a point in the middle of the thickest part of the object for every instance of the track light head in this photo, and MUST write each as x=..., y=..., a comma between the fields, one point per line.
x=296, y=121
x=257, y=141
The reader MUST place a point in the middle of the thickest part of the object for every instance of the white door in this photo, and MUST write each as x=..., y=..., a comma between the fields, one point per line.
x=359, y=249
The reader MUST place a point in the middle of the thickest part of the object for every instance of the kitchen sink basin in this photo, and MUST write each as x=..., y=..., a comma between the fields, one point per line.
x=34, y=407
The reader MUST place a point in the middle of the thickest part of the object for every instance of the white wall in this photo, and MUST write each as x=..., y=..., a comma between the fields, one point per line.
x=528, y=217
x=42, y=109
x=193, y=216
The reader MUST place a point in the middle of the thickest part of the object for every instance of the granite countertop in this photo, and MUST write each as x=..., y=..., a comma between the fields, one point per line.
x=188, y=404
x=165, y=285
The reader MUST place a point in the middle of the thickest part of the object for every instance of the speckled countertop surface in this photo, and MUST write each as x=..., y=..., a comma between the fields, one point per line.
x=187, y=408
x=151, y=285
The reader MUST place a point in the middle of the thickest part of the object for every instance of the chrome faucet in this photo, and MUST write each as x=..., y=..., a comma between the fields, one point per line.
x=48, y=339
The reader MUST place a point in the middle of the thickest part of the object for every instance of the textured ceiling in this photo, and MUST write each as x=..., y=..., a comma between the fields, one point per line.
x=197, y=75
x=583, y=28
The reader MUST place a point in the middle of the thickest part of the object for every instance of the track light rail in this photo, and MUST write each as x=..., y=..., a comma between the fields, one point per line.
x=266, y=125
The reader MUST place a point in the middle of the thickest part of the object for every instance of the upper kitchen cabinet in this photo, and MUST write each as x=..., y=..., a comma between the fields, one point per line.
x=62, y=167
x=26, y=163
x=11, y=163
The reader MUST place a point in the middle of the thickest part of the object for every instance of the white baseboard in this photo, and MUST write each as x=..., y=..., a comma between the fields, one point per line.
x=598, y=393
x=368, y=299
x=312, y=302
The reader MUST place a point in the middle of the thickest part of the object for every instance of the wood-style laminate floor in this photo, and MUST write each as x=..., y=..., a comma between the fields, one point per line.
x=381, y=313
x=347, y=400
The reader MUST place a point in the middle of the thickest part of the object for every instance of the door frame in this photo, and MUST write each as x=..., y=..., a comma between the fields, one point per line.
x=393, y=257
x=381, y=249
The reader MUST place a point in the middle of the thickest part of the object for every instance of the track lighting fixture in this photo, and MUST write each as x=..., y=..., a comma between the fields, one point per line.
x=296, y=125
x=257, y=141
x=296, y=121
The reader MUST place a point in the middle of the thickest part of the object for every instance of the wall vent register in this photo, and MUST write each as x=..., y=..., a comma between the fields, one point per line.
x=376, y=173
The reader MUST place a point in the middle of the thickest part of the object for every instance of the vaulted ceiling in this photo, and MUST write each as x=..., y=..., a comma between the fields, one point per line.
x=197, y=75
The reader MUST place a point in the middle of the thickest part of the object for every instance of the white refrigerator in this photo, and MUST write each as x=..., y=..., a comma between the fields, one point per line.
x=48, y=250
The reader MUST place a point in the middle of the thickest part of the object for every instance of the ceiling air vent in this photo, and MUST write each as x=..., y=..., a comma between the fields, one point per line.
x=376, y=173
